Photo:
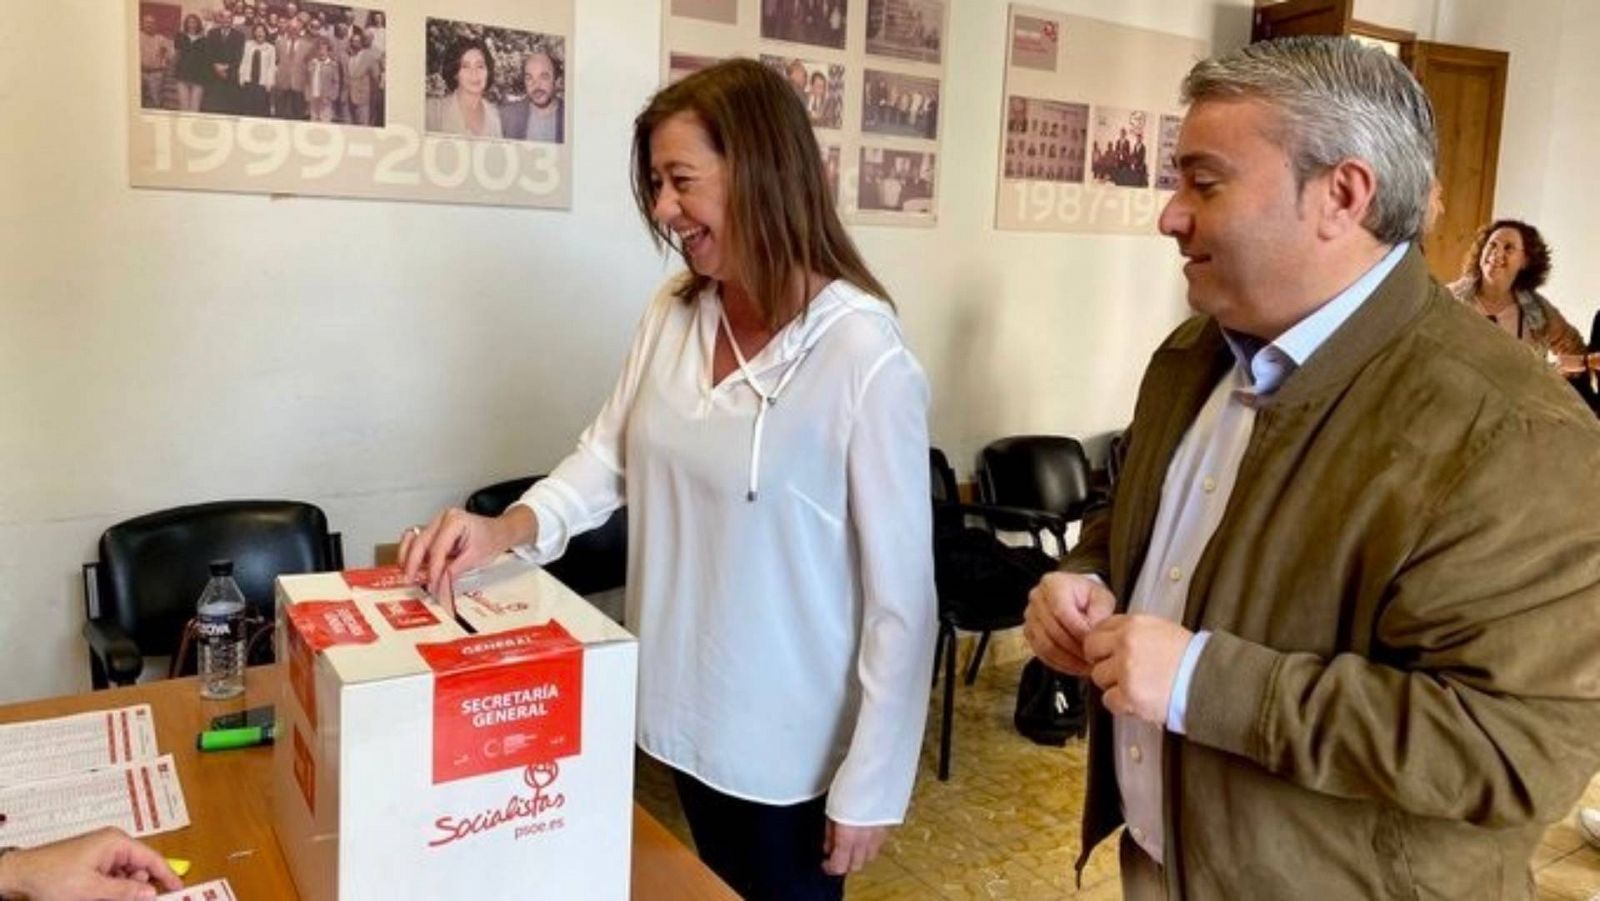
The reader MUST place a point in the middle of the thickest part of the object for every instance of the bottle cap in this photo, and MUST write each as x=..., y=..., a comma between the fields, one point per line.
x=221, y=568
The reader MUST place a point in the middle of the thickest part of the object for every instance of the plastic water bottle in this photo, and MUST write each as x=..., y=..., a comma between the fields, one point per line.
x=220, y=624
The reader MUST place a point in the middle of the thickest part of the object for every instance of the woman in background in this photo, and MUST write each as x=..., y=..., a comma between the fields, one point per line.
x=468, y=72
x=191, y=69
x=769, y=437
x=1501, y=277
x=257, y=69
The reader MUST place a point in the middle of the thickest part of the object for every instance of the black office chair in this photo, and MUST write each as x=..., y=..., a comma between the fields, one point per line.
x=141, y=593
x=595, y=561
x=1586, y=383
x=1044, y=474
x=1116, y=456
x=982, y=583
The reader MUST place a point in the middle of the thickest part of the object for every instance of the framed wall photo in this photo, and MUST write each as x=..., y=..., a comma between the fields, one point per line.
x=1090, y=120
x=870, y=73
x=381, y=100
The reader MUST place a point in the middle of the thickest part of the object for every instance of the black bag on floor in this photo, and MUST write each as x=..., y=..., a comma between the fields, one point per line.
x=1050, y=705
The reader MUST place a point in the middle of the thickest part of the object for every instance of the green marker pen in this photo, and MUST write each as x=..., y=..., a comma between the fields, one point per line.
x=228, y=739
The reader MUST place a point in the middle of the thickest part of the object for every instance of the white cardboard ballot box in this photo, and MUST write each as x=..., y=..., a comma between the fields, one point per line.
x=482, y=754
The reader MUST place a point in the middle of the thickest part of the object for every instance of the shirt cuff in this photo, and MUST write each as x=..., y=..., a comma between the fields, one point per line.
x=1178, y=704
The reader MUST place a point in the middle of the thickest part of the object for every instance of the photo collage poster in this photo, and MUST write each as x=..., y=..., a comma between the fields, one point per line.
x=465, y=101
x=1090, y=121
x=870, y=72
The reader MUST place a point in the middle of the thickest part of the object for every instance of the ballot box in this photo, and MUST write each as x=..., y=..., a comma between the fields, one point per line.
x=473, y=747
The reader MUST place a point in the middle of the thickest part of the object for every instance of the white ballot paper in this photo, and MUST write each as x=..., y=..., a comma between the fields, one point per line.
x=215, y=890
x=141, y=798
x=41, y=749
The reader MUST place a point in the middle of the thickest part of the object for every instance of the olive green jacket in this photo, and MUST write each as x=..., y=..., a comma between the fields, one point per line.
x=1402, y=687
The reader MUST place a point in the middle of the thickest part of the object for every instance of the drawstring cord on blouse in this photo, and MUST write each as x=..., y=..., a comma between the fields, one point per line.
x=766, y=399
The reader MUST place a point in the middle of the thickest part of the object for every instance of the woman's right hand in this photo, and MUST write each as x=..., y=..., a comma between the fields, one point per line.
x=456, y=541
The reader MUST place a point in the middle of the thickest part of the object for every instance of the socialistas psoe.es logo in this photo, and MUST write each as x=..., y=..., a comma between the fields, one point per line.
x=523, y=810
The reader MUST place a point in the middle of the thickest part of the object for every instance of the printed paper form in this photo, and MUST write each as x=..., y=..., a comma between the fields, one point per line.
x=41, y=749
x=141, y=798
x=215, y=890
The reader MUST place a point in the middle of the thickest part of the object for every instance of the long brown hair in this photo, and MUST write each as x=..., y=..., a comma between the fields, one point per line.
x=781, y=215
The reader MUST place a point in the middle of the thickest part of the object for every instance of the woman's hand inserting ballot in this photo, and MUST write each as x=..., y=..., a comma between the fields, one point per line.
x=456, y=541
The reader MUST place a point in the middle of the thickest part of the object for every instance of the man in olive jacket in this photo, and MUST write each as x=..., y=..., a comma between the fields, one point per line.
x=1343, y=612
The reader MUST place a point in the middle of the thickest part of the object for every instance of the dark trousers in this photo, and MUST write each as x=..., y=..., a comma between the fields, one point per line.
x=764, y=852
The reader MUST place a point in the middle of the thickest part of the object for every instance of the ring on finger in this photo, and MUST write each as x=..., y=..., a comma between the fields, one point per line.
x=414, y=531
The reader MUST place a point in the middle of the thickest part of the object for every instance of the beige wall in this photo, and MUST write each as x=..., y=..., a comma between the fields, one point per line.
x=382, y=359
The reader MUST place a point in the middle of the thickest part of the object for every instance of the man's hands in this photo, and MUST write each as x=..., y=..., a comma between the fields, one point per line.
x=1062, y=609
x=1136, y=660
x=105, y=865
x=1133, y=659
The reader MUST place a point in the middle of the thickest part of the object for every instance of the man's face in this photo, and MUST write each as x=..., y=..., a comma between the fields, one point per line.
x=1237, y=216
x=147, y=24
x=540, y=75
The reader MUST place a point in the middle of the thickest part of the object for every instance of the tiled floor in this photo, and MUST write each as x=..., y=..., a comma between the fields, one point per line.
x=1006, y=824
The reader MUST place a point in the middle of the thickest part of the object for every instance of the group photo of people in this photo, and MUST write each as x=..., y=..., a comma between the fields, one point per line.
x=278, y=59
x=484, y=81
x=1117, y=156
x=906, y=29
x=906, y=106
x=1045, y=138
x=819, y=22
x=819, y=85
x=896, y=181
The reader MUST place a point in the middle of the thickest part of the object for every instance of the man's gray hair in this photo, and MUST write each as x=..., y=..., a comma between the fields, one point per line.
x=1337, y=99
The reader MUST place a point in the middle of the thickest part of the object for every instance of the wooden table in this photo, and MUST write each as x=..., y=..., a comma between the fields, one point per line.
x=230, y=802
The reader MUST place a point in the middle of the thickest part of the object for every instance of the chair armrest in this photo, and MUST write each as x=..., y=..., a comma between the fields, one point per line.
x=1013, y=519
x=117, y=652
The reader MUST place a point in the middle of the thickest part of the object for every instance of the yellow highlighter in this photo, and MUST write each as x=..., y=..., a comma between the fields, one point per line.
x=180, y=867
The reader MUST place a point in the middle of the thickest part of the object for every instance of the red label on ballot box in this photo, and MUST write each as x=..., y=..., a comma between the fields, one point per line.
x=505, y=700
x=305, y=770
x=313, y=626
x=377, y=578
x=409, y=613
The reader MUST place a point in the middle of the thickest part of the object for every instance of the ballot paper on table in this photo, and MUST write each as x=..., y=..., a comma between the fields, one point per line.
x=141, y=798
x=41, y=749
x=215, y=890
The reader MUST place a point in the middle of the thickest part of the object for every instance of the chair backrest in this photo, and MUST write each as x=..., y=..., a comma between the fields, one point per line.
x=1116, y=455
x=942, y=477
x=492, y=500
x=153, y=567
x=1038, y=472
x=595, y=561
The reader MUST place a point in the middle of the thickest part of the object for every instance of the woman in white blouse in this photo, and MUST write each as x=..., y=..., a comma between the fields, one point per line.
x=468, y=71
x=769, y=436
